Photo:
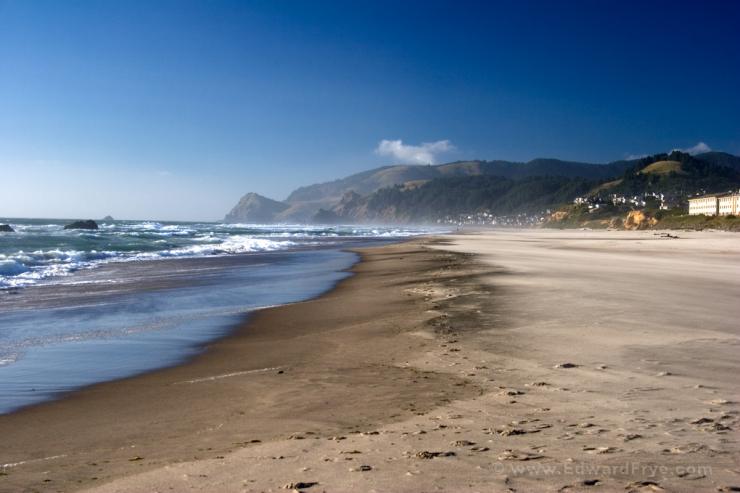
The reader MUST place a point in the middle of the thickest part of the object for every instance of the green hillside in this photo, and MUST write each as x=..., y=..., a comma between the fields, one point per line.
x=459, y=195
x=676, y=173
x=369, y=181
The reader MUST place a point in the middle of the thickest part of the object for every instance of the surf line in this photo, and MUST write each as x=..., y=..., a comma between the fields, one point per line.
x=15, y=464
x=227, y=375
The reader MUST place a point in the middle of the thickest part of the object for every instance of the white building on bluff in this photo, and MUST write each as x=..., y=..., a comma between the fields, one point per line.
x=722, y=204
x=729, y=204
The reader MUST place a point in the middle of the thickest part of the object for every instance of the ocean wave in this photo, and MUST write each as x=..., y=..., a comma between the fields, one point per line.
x=42, y=250
x=229, y=246
x=10, y=267
x=26, y=268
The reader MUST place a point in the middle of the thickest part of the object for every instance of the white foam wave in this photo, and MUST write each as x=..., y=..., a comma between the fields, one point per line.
x=25, y=268
x=40, y=251
x=236, y=244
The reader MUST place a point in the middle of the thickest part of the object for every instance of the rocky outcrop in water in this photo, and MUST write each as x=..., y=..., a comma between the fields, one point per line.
x=5, y=228
x=108, y=218
x=89, y=224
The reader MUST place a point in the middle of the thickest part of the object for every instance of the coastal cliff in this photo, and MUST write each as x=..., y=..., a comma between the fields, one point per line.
x=254, y=208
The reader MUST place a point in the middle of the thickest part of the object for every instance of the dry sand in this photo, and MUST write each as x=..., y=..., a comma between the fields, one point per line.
x=501, y=361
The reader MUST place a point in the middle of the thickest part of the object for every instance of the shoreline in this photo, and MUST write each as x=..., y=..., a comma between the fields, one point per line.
x=190, y=349
x=105, y=415
x=516, y=360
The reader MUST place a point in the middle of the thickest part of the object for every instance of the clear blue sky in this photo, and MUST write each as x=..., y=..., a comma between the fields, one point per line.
x=156, y=109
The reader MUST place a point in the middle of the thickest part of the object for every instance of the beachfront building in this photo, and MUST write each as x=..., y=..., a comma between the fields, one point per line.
x=729, y=204
x=724, y=204
x=706, y=205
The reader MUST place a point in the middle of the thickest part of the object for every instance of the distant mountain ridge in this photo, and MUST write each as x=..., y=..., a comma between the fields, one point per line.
x=720, y=159
x=375, y=179
x=357, y=197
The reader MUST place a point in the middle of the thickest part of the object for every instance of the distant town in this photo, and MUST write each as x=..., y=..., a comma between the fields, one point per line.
x=717, y=204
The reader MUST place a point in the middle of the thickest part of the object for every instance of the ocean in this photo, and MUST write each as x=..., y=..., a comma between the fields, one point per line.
x=79, y=307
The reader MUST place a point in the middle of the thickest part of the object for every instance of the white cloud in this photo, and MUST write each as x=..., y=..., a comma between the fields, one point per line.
x=425, y=153
x=697, y=149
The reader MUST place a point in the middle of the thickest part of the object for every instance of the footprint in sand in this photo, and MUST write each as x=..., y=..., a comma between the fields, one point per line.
x=519, y=455
x=539, y=384
x=719, y=402
x=585, y=482
x=643, y=487
x=691, y=477
x=566, y=365
x=506, y=432
x=300, y=485
x=463, y=443
x=425, y=454
x=600, y=450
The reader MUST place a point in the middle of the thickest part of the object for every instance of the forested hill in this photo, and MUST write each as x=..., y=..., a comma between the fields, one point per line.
x=443, y=197
x=372, y=180
x=677, y=173
x=408, y=193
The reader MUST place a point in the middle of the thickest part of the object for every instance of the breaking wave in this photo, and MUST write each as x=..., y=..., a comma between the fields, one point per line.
x=41, y=250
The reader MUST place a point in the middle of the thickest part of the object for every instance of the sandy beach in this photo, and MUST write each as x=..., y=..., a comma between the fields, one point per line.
x=538, y=360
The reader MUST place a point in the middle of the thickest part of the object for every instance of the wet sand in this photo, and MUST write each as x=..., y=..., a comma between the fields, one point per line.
x=332, y=365
x=505, y=361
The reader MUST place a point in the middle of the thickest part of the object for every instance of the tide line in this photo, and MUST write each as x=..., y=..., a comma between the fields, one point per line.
x=15, y=464
x=227, y=375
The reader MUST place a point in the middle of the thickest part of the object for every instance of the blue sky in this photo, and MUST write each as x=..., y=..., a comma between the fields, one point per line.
x=173, y=110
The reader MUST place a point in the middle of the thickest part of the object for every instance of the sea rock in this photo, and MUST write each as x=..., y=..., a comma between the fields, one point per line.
x=89, y=224
x=5, y=228
x=108, y=218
